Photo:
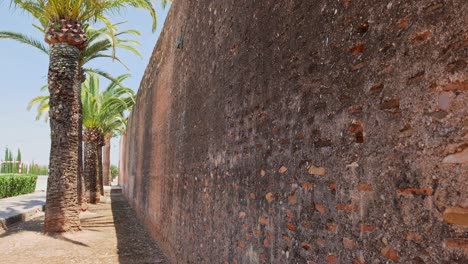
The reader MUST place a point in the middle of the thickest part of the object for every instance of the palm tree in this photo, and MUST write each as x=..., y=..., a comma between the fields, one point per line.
x=103, y=113
x=64, y=21
x=100, y=40
x=112, y=127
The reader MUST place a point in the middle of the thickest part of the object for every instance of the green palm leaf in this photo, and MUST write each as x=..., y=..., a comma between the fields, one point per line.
x=105, y=109
x=24, y=39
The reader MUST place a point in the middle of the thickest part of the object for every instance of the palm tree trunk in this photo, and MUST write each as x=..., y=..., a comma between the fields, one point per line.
x=81, y=183
x=91, y=166
x=62, y=212
x=106, y=161
x=99, y=166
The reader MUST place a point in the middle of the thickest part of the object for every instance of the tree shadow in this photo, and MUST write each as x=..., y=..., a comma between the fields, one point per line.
x=69, y=240
x=96, y=222
x=133, y=241
x=36, y=226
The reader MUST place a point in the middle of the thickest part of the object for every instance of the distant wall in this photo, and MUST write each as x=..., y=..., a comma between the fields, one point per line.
x=305, y=132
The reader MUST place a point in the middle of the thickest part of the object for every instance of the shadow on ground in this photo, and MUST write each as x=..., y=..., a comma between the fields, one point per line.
x=140, y=243
x=36, y=226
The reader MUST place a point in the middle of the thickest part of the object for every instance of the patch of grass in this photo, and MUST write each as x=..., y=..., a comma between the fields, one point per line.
x=16, y=184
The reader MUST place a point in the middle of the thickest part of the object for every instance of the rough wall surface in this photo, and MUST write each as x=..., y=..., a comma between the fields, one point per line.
x=305, y=132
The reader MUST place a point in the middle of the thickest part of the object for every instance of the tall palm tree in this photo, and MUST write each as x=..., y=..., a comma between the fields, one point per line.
x=64, y=21
x=103, y=112
x=111, y=127
x=100, y=40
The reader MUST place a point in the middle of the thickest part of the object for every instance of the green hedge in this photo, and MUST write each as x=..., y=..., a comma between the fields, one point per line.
x=13, y=185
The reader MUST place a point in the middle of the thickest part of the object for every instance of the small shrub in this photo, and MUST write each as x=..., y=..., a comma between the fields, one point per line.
x=114, y=171
x=13, y=185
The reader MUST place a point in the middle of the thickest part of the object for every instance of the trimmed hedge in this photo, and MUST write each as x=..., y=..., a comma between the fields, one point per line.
x=13, y=185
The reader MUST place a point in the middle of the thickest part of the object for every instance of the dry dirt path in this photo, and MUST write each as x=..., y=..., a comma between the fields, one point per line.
x=111, y=234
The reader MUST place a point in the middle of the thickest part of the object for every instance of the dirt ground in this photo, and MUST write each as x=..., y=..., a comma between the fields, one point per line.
x=111, y=234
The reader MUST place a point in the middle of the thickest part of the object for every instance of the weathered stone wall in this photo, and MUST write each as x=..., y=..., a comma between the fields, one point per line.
x=305, y=132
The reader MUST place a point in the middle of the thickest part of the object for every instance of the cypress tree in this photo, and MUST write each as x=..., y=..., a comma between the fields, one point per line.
x=4, y=165
x=7, y=159
x=10, y=159
x=18, y=160
x=32, y=168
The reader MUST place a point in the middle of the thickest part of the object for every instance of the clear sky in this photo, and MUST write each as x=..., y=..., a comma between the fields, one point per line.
x=23, y=71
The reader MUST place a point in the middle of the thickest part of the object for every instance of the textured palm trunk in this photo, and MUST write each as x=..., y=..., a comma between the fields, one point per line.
x=99, y=166
x=106, y=161
x=81, y=183
x=62, y=212
x=90, y=170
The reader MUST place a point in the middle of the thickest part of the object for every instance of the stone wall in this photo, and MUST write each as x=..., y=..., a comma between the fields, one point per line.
x=304, y=132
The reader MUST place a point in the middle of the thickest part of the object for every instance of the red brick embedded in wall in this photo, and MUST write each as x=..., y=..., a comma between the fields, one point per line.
x=377, y=88
x=282, y=170
x=263, y=220
x=292, y=199
x=349, y=243
x=390, y=253
x=331, y=227
x=240, y=244
x=457, y=243
x=331, y=259
x=416, y=191
x=355, y=109
x=321, y=208
x=317, y=171
x=290, y=214
x=456, y=216
x=366, y=228
x=320, y=242
x=390, y=104
x=421, y=36
x=307, y=185
x=306, y=246
x=364, y=187
x=413, y=236
x=291, y=226
x=359, y=260
x=357, y=49
x=455, y=86
x=403, y=23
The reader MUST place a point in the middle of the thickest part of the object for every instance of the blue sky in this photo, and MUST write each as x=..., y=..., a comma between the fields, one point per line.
x=23, y=71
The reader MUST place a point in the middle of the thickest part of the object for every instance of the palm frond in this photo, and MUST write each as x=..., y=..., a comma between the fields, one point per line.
x=100, y=55
x=130, y=48
x=42, y=102
x=24, y=39
x=84, y=11
x=105, y=109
